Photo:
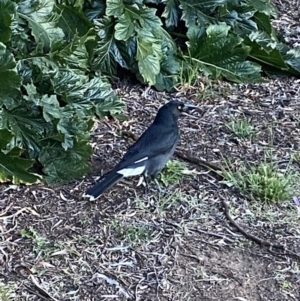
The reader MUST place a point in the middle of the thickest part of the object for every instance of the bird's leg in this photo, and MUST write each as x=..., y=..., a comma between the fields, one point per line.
x=158, y=186
x=146, y=185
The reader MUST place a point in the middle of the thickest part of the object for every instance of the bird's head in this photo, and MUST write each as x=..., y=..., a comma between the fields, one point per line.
x=177, y=107
x=172, y=110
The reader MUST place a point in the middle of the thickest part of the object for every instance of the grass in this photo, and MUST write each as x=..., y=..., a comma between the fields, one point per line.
x=38, y=240
x=262, y=181
x=241, y=127
x=137, y=234
x=174, y=172
x=7, y=292
x=134, y=234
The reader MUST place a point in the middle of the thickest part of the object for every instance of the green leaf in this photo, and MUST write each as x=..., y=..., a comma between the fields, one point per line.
x=124, y=28
x=292, y=58
x=263, y=22
x=68, y=16
x=149, y=54
x=61, y=165
x=39, y=33
x=264, y=49
x=7, y=12
x=171, y=12
x=9, y=79
x=96, y=10
x=264, y=6
x=220, y=53
x=114, y=8
x=85, y=96
x=12, y=167
x=196, y=12
x=75, y=54
x=170, y=66
x=28, y=127
x=149, y=68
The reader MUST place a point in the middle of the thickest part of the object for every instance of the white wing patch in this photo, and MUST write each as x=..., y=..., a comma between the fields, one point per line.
x=141, y=160
x=131, y=171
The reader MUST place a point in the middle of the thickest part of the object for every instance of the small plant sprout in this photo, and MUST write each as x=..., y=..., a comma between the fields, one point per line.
x=241, y=127
x=174, y=173
x=263, y=181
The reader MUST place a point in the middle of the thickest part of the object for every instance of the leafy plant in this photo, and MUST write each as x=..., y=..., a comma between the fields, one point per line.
x=263, y=181
x=137, y=234
x=39, y=241
x=47, y=99
x=7, y=291
x=240, y=127
x=173, y=173
x=166, y=41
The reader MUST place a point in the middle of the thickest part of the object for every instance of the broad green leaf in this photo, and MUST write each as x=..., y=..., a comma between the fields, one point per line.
x=12, y=167
x=114, y=8
x=263, y=6
x=124, y=28
x=7, y=12
x=221, y=53
x=263, y=49
x=96, y=10
x=72, y=21
x=42, y=21
x=104, y=59
x=62, y=165
x=149, y=69
x=169, y=73
x=171, y=12
x=149, y=54
x=84, y=96
x=292, y=58
x=39, y=33
x=28, y=127
x=75, y=54
x=10, y=81
x=196, y=12
x=263, y=22
x=149, y=19
x=170, y=66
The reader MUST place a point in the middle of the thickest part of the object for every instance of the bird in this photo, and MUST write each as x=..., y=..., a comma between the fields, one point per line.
x=150, y=153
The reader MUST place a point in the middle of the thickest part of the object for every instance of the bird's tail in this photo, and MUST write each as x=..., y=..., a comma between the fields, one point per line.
x=106, y=182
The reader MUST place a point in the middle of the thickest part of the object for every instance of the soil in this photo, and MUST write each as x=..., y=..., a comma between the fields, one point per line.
x=176, y=245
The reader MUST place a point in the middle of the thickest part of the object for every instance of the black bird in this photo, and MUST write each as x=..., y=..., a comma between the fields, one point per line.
x=150, y=153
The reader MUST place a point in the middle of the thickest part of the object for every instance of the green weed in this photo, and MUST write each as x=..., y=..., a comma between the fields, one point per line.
x=263, y=181
x=241, y=127
x=174, y=173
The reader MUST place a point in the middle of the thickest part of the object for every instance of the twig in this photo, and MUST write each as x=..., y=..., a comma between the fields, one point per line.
x=222, y=236
x=252, y=237
x=190, y=158
x=41, y=289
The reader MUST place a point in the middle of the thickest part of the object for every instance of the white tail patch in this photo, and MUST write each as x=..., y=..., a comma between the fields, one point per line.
x=131, y=171
x=91, y=197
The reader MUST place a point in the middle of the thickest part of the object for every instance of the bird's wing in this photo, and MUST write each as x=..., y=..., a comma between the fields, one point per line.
x=154, y=141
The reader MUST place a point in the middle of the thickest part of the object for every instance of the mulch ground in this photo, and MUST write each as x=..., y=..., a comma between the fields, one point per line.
x=180, y=245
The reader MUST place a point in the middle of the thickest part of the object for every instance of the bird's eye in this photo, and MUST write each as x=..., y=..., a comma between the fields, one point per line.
x=179, y=107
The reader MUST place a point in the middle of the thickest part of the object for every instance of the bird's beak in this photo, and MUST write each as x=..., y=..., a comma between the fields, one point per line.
x=188, y=106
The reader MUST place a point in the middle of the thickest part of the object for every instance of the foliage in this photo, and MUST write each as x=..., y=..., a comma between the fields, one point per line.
x=47, y=98
x=174, y=172
x=161, y=40
x=241, y=127
x=263, y=182
x=55, y=57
